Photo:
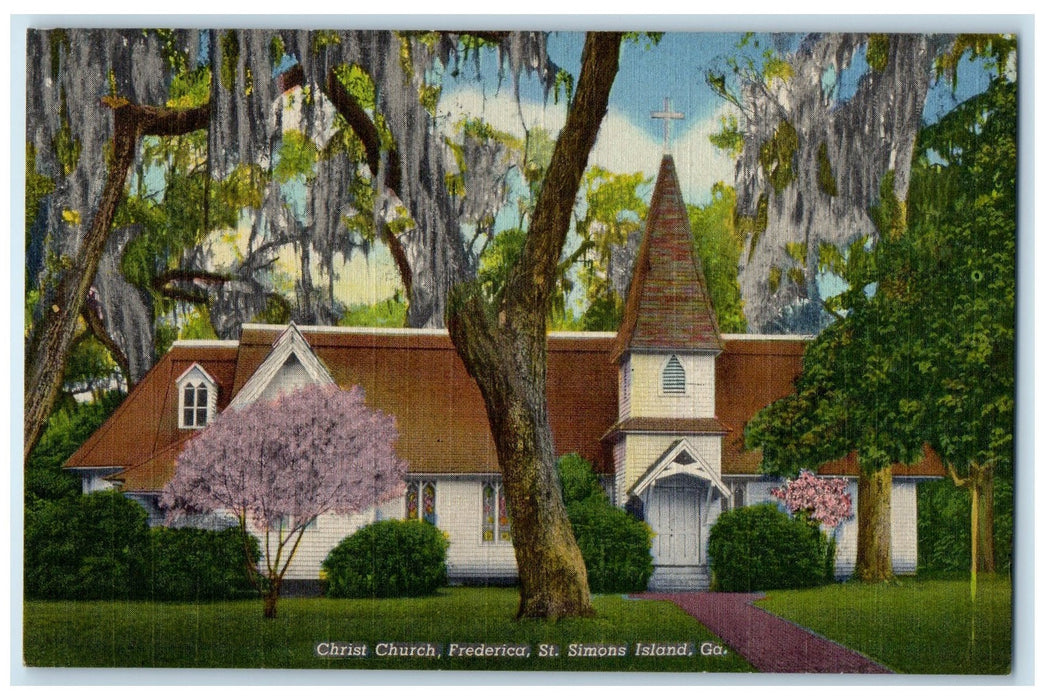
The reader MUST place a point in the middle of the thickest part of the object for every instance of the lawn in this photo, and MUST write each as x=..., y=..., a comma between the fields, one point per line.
x=912, y=625
x=234, y=635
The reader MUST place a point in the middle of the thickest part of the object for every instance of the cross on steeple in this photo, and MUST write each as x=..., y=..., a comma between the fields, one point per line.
x=667, y=115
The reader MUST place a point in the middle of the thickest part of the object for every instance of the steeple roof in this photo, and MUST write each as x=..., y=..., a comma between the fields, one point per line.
x=668, y=306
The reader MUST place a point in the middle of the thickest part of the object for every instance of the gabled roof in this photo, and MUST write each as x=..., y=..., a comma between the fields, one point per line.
x=290, y=343
x=147, y=421
x=668, y=305
x=679, y=458
x=417, y=376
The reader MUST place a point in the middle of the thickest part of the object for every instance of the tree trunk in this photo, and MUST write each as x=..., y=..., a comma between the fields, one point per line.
x=874, y=525
x=983, y=492
x=271, y=598
x=553, y=581
x=52, y=336
x=504, y=347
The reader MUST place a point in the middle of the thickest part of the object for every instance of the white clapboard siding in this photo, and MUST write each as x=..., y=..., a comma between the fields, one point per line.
x=459, y=514
x=648, y=399
x=325, y=534
x=905, y=526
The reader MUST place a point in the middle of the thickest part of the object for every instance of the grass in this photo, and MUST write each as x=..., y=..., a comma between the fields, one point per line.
x=234, y=635
x=911, y=625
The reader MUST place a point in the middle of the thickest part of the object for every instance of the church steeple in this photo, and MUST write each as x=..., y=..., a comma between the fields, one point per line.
x=668, y=306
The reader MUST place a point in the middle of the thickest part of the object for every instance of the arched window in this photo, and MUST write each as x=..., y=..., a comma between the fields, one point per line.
x=420, y=501
x=497, y=526
x=673, y=378
x=194, y=405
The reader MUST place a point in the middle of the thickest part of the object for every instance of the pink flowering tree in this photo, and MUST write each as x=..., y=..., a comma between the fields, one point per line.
x=820, y=500
x=277, y=466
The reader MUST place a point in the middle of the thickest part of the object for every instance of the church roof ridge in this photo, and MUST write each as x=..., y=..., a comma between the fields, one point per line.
x=668, y=304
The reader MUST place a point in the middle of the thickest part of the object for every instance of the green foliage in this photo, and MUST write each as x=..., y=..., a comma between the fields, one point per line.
x=37, y=186
x=777, y=156
x=91, y=547
x=615, y=210
x=277, y=311
x=390, y=313
x=66, y=148
x=88, y=367
x=719, y=244
x=388, y=559
x=229, y=43
x=759, y=548
x=190, y=88
x=825, y=174
x=878, y=52
x=189, y=564
x=578, y=480
x=563, y=83
x=755, y=225
x=67, y=428
x=730, y=139
x=998, y=49
x=297, y=157
x=614, y=544
x=498, y=260
x=775, y=275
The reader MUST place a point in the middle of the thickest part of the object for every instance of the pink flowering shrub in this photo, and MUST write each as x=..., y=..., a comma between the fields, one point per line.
x=823, y=501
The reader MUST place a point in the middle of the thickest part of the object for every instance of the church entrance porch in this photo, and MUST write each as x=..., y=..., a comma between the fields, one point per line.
x=681, y=497
x=676, y=511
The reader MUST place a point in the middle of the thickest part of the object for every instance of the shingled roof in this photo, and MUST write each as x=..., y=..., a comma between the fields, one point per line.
x=442, y=421
x=668, y=306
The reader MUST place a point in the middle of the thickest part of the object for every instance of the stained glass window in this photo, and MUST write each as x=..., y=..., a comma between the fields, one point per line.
x=420, y=501
x=497, y=526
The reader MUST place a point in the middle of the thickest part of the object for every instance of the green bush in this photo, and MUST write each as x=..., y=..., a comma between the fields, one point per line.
x=188, y=564
x=90, y=547
x=614, y=544
x=758, y=548
x=388, y=559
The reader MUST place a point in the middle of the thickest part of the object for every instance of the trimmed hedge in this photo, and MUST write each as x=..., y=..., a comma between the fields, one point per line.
x=99, y=547
x=758, y=548
x=614, y=544
x=388, y=559
x=189, y=564
x=90, y=547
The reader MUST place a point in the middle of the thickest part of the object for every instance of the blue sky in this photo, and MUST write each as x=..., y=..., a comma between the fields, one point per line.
x=676, y=67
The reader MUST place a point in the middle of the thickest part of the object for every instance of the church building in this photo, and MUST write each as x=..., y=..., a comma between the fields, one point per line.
x=659, y=408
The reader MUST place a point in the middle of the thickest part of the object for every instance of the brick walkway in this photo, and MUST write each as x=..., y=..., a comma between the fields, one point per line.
x=769, y=643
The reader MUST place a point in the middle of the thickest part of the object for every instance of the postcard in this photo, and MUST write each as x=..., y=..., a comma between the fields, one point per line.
x=626, y=352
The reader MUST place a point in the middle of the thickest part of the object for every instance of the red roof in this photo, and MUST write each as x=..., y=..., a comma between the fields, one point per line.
x=668, y=306
x=417, y=376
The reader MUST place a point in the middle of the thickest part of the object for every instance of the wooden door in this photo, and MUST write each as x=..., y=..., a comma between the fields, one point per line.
x=673, y=512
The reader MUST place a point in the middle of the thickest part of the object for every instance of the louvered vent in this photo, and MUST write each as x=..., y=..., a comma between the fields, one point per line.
x=674, y=378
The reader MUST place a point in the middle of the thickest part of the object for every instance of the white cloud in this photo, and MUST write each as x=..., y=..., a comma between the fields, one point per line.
x=622, y=146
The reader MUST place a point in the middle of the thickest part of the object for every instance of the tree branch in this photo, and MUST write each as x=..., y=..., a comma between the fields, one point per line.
x=48, y=346
x=531, y=284
x=364, y=127
x=97, y=327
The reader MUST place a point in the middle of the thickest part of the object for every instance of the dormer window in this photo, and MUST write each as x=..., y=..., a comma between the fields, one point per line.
x=673, y=378
x=197, y=398
x=194, y=405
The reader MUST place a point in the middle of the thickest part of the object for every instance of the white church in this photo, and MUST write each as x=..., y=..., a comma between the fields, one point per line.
x=659, y=408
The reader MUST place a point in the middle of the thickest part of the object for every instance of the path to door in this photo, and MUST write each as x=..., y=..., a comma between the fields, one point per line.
x=770, y=643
